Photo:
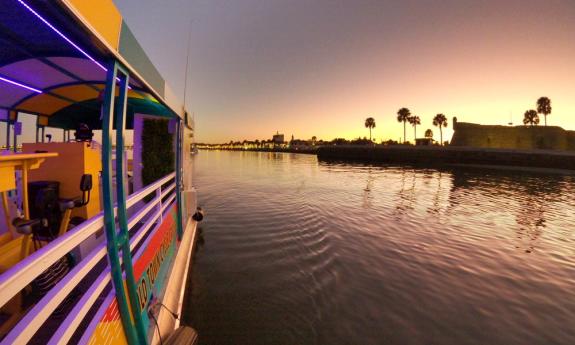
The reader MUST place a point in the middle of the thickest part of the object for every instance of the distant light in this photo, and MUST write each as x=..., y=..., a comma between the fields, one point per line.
x=61, y=34
x=21, y=85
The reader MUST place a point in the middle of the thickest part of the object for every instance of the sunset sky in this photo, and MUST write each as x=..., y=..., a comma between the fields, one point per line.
x=321, y=67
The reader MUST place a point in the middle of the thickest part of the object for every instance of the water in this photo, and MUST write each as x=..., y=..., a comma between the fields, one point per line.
x=296, y=251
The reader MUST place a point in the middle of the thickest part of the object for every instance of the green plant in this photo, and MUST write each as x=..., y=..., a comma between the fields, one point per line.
x=530, y=118
x=440, y=121
x=544, y=107
x=414, y=121
x=158, y=158
x=369, y=123
x=403, y=115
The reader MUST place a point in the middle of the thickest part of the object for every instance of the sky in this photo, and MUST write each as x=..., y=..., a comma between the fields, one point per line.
x=320, y=67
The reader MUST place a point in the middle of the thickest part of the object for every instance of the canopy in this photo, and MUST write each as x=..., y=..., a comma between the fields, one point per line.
x=54, y=57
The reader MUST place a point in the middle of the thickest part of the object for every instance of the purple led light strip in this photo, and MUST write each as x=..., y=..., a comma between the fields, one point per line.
x=61, y=34
x=64, y=37
x=20, y=84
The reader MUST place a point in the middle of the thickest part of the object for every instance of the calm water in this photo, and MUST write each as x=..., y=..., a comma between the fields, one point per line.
x=296, y=251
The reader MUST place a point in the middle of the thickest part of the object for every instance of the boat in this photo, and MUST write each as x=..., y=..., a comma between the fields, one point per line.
x=96, y=234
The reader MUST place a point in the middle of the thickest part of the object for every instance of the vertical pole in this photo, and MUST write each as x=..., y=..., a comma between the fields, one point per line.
x=159, y=194
x=109, y=219
x=7, y=218
x=121, y=191
x=37, y=132
x=15, y=149
x=15, y=140
x=8, y=133
x=43, y=133
x=179, y=186
x=25, y=205
x=26, y=241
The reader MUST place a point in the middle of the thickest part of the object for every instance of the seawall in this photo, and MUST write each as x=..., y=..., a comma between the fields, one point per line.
x=437, y=155
x=311, y=151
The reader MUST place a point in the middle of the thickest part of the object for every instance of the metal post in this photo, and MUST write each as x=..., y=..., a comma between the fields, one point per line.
x=159, y=194
x=121, y=191
x=15, y=149
x=109, y=219
x=179, y=186
x=8, y=133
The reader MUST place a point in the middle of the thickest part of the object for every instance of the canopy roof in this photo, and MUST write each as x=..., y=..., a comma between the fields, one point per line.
x=53, y=60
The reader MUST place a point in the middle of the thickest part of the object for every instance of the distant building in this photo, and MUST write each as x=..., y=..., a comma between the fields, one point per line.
x=298, y=144
x=423, y=141
x=512, y=137
x=278, y=139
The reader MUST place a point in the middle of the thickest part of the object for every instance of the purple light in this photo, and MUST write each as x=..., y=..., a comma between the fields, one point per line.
x=21, y=85
x=61, y=34
x=65, y=38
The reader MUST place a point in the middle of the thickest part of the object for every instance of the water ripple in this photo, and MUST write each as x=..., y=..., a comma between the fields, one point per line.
x=298, y=251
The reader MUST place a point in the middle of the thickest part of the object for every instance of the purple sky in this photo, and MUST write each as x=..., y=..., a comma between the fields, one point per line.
x=320, y=67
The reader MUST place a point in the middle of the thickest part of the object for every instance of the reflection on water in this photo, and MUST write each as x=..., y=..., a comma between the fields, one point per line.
x=297, y=251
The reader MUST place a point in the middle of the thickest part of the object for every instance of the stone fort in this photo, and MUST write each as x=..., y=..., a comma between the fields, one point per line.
x=512, y=137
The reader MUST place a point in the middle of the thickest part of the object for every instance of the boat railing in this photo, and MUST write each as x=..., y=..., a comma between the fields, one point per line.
x=142, y=224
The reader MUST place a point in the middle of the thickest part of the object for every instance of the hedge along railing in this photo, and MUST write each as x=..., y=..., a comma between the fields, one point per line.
x=21, y=275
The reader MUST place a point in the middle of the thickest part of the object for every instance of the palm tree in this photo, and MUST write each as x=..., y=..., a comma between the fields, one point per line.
x=403, y=115
x=440, y=121
x=369, y=123
x=530, y=117
x=414, y=121
x=544, y=107
x=429, y=133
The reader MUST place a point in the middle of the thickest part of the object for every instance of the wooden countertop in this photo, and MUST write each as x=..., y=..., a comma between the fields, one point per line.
x=26, y=156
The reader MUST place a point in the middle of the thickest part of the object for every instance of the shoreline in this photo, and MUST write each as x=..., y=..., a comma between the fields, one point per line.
x=545, y=161
x=453, y=156
x=311, y=151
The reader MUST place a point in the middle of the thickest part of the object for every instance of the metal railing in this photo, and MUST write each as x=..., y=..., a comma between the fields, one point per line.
x=16, y=279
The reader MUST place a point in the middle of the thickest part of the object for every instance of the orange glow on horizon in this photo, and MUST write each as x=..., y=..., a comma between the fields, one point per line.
x=319, y=68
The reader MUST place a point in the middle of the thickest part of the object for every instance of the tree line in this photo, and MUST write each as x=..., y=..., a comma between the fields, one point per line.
x=404, y=115
x=531, y=117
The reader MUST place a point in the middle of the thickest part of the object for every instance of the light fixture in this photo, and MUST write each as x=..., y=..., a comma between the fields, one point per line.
x=65, y=37
x=20, y=84
x=61, y=34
